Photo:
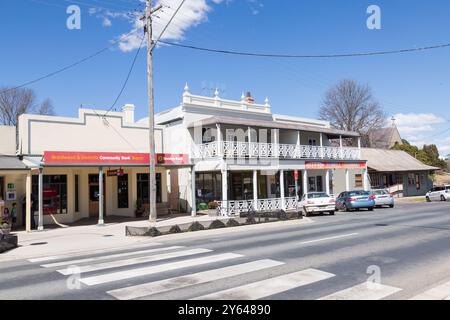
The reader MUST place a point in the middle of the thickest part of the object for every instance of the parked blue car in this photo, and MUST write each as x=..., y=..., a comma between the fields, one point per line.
x=355, y=200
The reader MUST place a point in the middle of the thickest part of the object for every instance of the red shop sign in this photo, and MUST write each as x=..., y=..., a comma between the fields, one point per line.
x=110, y=158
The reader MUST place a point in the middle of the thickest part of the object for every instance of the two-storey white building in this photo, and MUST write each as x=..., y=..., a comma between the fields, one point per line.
x=238, y=153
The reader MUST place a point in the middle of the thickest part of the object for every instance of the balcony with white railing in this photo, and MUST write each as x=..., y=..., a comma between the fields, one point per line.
x=236, y=150
x=237, y=207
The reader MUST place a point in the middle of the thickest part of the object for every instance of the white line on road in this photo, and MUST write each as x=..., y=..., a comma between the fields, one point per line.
x=269, y=287
x=112, y=256
x=330, y=238
x=128, y=262
x=363, y=291
x=91, y=252
x=441, y=292
x=155, y=287
x=127, y=274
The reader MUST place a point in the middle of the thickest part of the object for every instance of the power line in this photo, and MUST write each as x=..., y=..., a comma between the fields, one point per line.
x=127, y=78
x=70, y=66
x=268, y=55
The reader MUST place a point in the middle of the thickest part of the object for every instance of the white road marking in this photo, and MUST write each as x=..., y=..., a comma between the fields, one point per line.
x=155, y=287
x=363, y=291
x=86, y=253
x=127, y=274
x=128, y=262
x=112, y=256
x=441, y=292
x=329, y=238
x=269, y=287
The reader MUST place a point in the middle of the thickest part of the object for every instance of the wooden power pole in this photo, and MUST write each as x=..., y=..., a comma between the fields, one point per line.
x=151, y=115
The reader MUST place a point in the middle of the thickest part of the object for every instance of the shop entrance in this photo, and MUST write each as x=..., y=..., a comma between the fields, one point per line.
x=94, y=196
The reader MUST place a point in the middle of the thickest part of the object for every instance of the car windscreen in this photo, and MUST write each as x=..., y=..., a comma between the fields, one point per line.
x=358, y=193
x=317, y=195
x=380, y=192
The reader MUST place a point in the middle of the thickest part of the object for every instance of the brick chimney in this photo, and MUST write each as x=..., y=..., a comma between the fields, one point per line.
x=128, y=113
x=249, y=99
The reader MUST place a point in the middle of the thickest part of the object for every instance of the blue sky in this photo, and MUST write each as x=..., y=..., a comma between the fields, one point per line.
x=414, y=87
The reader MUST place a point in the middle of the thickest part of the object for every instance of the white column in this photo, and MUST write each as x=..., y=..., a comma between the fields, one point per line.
x=225, y=188
x=255, y=189
x=367, y=186
x=347, y=180
x=359, y=147
x=100, y=197
x=249, y=134
x=321, y=146
x=28, y=212
x=283, y=202
x=219, y=140
x=40, y=200
x=327, y=182
x=276, y=142
x=305, y=181
x=194, y=194
x=298, y=145
x=340, y=146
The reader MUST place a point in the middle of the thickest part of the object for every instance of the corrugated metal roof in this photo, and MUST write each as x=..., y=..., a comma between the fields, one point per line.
x=11, y=163
x=271, y=124
x=392, y=160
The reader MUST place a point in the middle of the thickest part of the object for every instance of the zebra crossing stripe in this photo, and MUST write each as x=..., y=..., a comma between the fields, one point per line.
x=127, y=274
x=112, y=256
x=155, y=287
x=363, y=291
x=441, y=292
x=86, y=253
x=132, y=261
x=269, y=287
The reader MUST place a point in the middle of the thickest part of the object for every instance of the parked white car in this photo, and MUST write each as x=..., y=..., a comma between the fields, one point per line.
x=438, y=194
x=382, y=198
x=317, y=202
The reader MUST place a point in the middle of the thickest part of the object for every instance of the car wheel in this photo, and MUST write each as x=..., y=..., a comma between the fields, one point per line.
x=443, y=198
x=428, y=199
x=370, y=209
x=331, y=213
x=346, y=209
x=306, y=213
x=391, y=206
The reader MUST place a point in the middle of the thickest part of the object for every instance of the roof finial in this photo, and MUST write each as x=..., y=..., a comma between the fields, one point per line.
x=216, y=93
x=186, y=88
x=393, y=121
x=266, y=101
x=242, y=96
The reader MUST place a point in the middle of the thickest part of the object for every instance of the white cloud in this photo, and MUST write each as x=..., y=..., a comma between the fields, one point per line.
x=424, y=128
x=106, y=22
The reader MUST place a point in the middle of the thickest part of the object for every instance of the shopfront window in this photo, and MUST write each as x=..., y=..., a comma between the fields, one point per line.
x=208, y=186
x=122, y=191
x=54, y=193
x=143, y=185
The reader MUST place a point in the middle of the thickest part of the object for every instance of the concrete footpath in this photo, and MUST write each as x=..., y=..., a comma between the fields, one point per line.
x=92, y=238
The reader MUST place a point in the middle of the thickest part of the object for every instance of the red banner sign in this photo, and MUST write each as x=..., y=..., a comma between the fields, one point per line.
x=317, y=165
x=111, y=158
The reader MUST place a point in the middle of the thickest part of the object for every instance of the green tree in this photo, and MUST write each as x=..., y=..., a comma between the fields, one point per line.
x=429, y=154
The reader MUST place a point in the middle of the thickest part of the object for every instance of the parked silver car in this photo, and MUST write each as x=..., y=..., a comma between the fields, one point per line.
x=382, y=198
x=438, y=194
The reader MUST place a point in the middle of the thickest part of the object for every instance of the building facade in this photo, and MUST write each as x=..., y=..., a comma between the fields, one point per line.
x=236, y=153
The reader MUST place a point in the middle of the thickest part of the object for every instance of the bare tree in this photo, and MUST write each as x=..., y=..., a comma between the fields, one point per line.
x=351, y=106
x=14, y=102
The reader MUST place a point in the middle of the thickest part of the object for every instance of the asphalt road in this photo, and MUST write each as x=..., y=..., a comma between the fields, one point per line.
x=395, y=253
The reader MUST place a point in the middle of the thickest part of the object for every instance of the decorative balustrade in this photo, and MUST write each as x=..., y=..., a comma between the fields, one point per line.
x=236, y=207
x=231, y=149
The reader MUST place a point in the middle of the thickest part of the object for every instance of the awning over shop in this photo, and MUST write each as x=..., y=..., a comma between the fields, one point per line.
x=392, y=161
x=12, y=163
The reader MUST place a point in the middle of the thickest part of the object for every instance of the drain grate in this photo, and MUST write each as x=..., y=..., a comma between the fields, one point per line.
x=381, y=225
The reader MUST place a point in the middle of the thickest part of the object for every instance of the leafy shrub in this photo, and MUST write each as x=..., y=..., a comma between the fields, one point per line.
x=213, y=205
x=202, y=206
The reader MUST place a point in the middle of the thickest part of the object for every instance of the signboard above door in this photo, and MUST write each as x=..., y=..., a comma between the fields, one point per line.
x=111, y=158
